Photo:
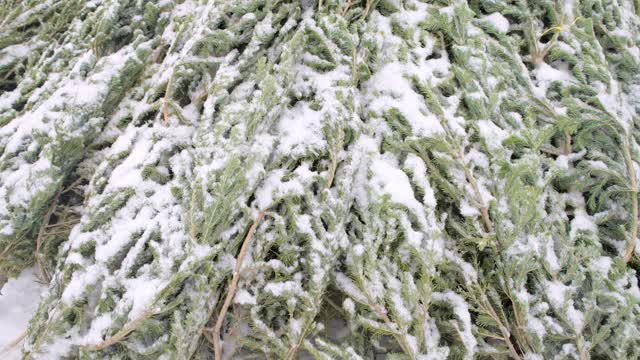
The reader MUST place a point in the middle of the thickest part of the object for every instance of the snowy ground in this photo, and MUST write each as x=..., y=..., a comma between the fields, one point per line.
x=18, y=301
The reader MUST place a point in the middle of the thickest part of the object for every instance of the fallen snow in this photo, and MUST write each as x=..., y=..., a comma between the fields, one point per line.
x=498, y=21
x=18, y=301
x=391, y=89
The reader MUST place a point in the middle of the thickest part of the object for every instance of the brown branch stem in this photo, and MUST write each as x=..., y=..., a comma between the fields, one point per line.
x=120, y=335
x=13, y=343
x=633, y=239
x=217, y=348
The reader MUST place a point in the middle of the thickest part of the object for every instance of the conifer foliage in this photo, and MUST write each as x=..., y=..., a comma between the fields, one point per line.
x=335, y=179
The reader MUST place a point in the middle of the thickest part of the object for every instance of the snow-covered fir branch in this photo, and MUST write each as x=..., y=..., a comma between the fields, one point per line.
x=335, y=179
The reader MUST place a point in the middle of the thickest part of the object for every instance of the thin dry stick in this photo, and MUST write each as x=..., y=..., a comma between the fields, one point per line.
x=120, y=335
x=334, y=158
x=567, y=142
x=484, y=209
x=15, y=342
x=217, y=349
x=354, y=67
x=382, y=314
x=367, y=8
x=506, y=334
x=73, y=185
x=346, y=8
x=63, y=223
x=550, y=150
x=165, y=107
x=294, y=349
x=633, y=239
x=192, y=221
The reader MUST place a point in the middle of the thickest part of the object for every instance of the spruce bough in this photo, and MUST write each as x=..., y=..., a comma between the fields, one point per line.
x=334, y=179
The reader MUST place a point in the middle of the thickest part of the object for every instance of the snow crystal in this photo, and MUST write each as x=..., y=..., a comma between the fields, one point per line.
x=412, y=342
x=562, y=162
x=477, y=158
x=461, y=309
x=597, y=164
x=468, y=271
x=492, y=134
x=447, y=10
x=98, y=327
x=467, y=210
x=301, y=130
x=140, y=293
x=398, y=304
x=576, y=317
x=347, y=285
x=280, y=288
x=273, y=186
x=79, y=282
x=358, y=250
x=582, y=221
x=550, y=254
x=14, y=52
x=498, y=21
x=397, y=92
x=568, y=10
x=419, y=170
x=556, y=293
x=544, y=72
x=244, y=297
x=296, y=326
x=349, y=306
x=532, y=356
x=544, y=75
x=387, y=178
x=536, y=325
x=414, y=238
x=602, y=265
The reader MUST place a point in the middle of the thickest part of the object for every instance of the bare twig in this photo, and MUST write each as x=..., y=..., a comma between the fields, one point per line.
x=334, y=157
x=346, y=8
x=567, y=142
x=120, y=335
x=15, y=342
x=367, y=8
x=550, y=150
x=63, y=223
x=73, y=185
x=291, y=353
x=217, y=348
x=506, y=334
x=484, y=209
x=633, y=239
x=165, y=100
x=354, y=67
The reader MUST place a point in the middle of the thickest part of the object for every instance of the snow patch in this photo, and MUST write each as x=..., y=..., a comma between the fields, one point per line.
x=498, y=21
x=19, y=299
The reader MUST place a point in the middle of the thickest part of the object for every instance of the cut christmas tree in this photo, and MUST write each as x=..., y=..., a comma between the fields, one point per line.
x=330, y=179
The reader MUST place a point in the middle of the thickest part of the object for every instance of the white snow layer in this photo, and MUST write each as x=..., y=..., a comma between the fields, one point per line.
x=18, y=301
x=498, y=21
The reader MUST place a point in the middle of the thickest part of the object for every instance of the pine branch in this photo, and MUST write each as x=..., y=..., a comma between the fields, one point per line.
x=233, y=285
